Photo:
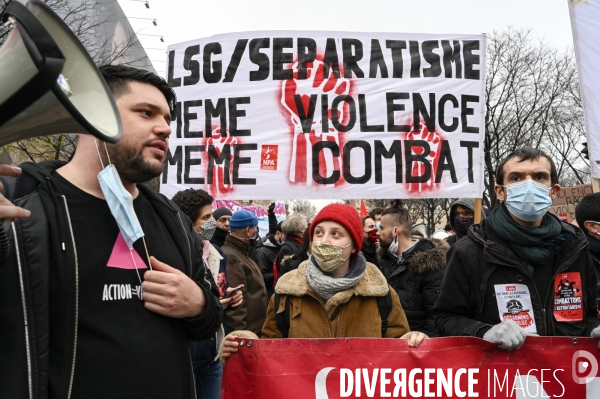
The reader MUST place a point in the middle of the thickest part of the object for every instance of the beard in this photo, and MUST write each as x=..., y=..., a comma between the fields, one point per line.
x=384, y=243
x=131, y=163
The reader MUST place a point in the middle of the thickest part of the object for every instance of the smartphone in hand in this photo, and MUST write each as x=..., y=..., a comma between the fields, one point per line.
x=227, y=295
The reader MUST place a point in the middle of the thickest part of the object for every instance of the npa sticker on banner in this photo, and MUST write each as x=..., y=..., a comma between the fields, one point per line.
x=268, y=159
x=514, y=303
x=319, y=114
x=568, y=297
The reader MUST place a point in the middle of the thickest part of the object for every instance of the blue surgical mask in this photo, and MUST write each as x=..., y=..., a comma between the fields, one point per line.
x=528, y=200
x=120, y=203
x=378, y=225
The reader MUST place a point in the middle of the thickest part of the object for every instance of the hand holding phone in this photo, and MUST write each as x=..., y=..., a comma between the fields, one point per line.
x=228, y=294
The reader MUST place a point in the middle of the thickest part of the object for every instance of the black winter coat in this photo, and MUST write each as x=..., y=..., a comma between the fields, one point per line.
x=467, y=304
x=370, y=252
x=417, y=280
x=265, y=259
x=289, y=248
x=293, y=263
x=39, y=279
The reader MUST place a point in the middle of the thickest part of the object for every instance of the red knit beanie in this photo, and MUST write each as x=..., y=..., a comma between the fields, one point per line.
x=345, y=215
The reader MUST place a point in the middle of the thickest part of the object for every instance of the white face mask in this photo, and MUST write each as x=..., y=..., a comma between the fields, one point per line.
x=393, y=248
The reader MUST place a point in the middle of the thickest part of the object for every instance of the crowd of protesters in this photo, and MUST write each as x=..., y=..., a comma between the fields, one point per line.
x=439, y=287
x=70, y=270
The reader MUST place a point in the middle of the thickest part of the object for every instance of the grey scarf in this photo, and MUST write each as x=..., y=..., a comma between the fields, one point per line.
x=327, y=286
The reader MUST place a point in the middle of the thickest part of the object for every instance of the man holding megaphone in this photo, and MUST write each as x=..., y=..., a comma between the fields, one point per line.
x=104, y=284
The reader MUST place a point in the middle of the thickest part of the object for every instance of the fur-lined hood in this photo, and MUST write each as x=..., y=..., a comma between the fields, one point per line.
x=430, y=259
x=426, y=256
x=372, y=284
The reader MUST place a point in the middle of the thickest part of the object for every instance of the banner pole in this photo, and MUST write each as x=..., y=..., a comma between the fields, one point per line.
x=595, y=185
x=477, y=211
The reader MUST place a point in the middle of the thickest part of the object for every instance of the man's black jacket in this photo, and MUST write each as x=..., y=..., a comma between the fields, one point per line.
x=39, y=282
x=417, y=280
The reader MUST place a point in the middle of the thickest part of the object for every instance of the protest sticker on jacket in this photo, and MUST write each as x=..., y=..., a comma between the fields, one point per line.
x=514, y=303
x=568, y=297
x=300, y=114
x=455, y=367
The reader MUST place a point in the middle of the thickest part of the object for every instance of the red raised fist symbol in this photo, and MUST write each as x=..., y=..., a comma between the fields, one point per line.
x=429, y=161
x=219, y=141
x=306, y=94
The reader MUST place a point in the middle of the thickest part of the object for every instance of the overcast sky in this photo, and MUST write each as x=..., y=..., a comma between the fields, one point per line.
x=183, y=20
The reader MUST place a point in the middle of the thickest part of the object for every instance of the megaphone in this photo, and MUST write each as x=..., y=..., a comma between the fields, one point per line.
x=48, y=82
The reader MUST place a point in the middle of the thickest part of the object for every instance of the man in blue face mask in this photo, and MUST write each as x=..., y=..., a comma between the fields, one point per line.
x=511, y=276
x=109, y=308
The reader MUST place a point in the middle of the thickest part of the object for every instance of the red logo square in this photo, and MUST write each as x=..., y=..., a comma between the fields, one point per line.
x=268, y=158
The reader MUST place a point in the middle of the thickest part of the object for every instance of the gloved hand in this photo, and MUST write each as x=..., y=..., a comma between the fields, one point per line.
x=271, y=208
x=508, y=335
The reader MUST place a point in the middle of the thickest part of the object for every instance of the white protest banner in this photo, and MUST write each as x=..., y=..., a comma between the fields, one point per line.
x=585, y=24
x=295, y=114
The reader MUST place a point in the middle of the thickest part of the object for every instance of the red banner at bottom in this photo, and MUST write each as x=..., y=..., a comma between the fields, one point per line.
x=455, y=367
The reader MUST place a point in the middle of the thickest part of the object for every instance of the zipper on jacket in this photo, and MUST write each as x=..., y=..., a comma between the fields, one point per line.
x=186, y=241
x=76, y=297
x=27, y=348
x=542, y=304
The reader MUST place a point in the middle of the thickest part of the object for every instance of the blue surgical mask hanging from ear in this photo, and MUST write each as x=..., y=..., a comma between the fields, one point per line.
x=120, y=203
x=528, y=200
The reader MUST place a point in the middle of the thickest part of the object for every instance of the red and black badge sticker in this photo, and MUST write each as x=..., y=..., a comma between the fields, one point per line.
x=568, y=297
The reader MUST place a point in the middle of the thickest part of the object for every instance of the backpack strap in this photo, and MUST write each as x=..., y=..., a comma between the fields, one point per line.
x=384, y=303
x=283, y=318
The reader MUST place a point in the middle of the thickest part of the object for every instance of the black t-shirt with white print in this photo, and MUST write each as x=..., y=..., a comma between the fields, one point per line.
x=123, y=349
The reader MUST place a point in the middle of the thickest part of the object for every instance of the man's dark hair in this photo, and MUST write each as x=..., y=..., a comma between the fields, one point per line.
x=448, y=227
x=375, y=211
x=526, y=154
x=117, y=78
x=399, y=216
x=588, y=209
x=191, y=200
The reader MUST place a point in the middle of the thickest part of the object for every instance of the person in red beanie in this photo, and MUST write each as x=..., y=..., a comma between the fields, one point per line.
x=336, y=293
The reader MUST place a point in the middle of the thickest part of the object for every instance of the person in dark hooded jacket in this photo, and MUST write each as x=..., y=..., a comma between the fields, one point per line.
x=462, y=213
x=414, y=268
